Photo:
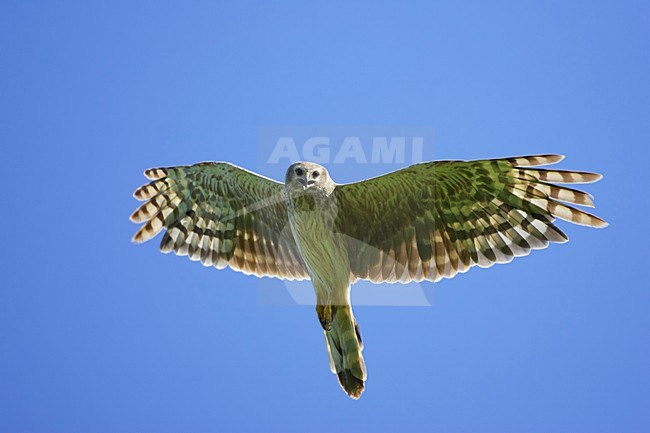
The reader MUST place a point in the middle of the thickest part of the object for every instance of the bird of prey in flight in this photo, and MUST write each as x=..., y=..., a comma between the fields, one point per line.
x=424, y=222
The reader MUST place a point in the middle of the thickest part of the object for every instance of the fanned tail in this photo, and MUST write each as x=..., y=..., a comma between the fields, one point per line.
x=344, y=348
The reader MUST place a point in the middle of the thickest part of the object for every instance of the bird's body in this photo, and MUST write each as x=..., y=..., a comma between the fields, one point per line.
x=424, y=222
x=312, y=215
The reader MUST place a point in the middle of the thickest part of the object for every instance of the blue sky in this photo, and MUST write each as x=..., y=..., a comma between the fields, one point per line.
x=101, y=335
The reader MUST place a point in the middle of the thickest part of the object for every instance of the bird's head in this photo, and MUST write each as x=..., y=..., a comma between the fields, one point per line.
x=308, y=176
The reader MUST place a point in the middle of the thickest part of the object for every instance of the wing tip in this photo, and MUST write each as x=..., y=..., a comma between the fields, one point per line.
x=587, y=177
x=137, y=194
x=146, y=232
x=594, y=221
x=554, y=158
x=600, y=223
x=155, y=173
x=536, y=160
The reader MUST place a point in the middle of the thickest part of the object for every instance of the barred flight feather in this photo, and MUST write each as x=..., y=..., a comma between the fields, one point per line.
x=533, y=161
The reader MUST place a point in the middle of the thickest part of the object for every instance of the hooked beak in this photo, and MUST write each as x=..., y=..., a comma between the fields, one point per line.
x=302, y=181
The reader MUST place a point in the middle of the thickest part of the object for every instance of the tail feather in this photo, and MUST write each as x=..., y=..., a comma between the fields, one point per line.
x=344, y=349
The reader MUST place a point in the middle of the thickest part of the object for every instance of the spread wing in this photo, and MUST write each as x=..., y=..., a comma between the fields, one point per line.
x=436, y=219
x=222, y=215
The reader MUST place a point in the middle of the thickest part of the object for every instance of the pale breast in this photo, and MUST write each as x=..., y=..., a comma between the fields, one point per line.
x=312, y=221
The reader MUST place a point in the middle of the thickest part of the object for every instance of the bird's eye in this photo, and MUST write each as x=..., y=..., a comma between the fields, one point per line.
x=315, y=174
x=299, y=171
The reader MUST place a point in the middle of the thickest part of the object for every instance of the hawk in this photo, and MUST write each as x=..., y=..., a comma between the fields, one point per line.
x=428, y=221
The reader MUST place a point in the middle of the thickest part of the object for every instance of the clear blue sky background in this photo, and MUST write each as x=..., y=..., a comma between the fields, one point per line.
x=101, y=335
